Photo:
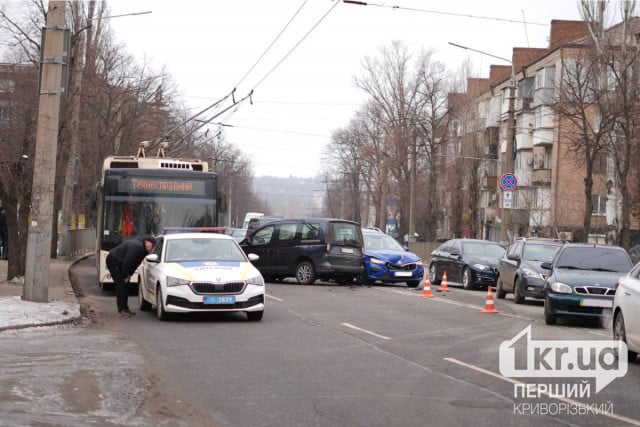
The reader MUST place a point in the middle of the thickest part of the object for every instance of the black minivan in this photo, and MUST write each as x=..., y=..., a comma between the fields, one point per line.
x=308, y=249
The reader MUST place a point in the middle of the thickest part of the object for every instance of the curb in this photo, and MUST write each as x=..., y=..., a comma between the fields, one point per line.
x=37, y=325
x=55, y=322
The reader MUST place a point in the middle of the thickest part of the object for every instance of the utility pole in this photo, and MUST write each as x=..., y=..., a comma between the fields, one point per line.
x=36, y=286
x=505, y=218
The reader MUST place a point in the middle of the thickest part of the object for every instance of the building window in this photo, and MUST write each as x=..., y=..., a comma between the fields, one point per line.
x=600, y=163
x=599, y=204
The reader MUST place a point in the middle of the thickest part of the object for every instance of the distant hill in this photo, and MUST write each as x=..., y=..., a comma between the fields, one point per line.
x=291, y=197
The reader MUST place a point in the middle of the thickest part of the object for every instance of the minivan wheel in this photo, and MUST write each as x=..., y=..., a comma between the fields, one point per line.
x=500, y=293
x=305, y=273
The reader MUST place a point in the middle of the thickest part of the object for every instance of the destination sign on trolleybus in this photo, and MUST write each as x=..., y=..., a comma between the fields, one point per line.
x=158, y=185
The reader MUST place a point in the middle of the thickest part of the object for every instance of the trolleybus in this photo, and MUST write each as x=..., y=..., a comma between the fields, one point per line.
x=139, y=196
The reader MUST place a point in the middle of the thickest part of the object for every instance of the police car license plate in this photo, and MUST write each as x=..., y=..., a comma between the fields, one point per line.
x=219, y=300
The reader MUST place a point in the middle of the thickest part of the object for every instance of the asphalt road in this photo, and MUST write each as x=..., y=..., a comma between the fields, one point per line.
x=328, y=355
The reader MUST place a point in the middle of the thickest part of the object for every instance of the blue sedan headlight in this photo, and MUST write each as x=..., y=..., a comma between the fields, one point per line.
x=176, y=281
x=481, y=267
x=376, y=261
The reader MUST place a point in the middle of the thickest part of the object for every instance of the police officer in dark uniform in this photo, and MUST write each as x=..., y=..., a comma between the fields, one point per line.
x=122, y=262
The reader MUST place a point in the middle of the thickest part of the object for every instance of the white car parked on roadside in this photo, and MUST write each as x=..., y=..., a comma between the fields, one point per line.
x=626, y=311
x=200, y=272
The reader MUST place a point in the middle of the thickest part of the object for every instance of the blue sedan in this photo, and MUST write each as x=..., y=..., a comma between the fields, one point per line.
x=387, y=262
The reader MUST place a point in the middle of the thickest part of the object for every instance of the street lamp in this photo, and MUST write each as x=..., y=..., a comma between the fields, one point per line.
x=511, y=130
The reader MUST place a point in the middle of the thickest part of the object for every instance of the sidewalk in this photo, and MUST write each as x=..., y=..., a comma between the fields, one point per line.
x=63, y=306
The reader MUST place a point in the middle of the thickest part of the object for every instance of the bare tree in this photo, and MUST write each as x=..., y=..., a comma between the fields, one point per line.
x=582, y=104
x=617, y=53
x=17, y=144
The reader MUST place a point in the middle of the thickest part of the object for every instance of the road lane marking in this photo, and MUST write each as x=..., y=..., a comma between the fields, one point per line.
x=563, y=399
x=275, y=298
x=349, y=325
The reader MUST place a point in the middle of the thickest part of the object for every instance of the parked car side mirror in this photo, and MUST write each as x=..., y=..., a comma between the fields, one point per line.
x=546, y=265
x=152, y=258
x=253, y=257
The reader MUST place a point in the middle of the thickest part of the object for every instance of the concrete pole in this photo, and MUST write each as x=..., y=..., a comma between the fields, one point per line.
x=36, y=286
x=412, y=191
x=505, y=218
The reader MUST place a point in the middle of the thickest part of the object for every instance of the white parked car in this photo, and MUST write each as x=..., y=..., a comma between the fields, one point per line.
x=626, y=311
x=200, y=272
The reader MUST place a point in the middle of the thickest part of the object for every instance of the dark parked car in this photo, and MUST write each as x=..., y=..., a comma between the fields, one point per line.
x=519, y=270
x=308, y=249
x=388, y=262
x=581, y=280
x=469, y=261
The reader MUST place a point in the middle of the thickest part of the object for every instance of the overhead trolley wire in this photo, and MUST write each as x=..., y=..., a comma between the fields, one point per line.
x=296, y=45
x=290, y=50
x=206, y=122
x=179, y=125
x=272, y=43
x=438, y=12
x=248, y=96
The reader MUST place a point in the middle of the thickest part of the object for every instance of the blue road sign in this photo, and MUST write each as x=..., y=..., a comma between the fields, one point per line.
x=508, y=182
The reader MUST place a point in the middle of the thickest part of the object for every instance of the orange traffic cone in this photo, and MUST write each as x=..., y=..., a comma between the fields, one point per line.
x=488, y=306
x=443, y=285
x=426, y=292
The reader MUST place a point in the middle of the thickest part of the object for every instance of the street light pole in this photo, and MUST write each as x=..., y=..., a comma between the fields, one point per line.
x=511, y=135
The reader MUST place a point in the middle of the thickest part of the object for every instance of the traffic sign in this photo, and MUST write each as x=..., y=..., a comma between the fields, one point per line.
x=507, y=199
x=508, y=182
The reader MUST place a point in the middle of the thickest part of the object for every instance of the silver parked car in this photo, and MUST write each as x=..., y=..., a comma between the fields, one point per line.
x=626, y=311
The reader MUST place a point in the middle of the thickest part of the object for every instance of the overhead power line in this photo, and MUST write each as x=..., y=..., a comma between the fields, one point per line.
x=272, y=43
x=439, y=12
x=297, y=44
x=288, y=53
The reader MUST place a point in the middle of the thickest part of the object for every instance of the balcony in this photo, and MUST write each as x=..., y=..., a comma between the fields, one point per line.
x=541, y=177
x=524, y=103
x=542, y=137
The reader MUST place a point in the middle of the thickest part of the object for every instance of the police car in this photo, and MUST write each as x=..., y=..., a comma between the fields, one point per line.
x=200, y=272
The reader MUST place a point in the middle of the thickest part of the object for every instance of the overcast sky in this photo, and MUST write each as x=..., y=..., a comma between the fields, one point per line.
x=301, y=97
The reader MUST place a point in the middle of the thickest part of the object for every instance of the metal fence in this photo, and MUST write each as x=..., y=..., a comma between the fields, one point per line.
x=77, y=242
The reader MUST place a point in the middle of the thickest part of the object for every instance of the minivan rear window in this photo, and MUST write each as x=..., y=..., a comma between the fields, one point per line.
x=345, y=234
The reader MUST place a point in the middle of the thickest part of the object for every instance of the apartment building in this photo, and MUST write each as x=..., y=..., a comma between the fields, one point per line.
x=549, y=199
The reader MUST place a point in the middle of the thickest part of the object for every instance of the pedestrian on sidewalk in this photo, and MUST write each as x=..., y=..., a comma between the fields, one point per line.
x=122, y=262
